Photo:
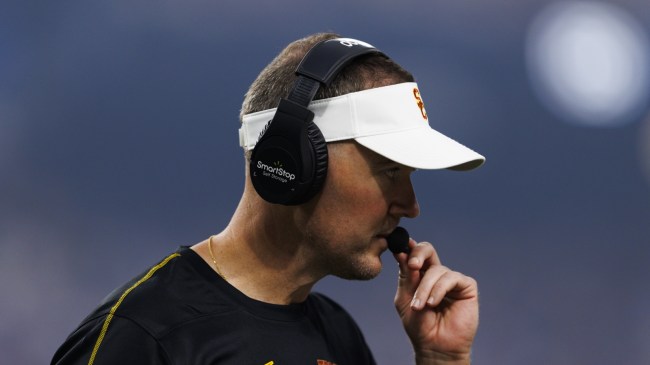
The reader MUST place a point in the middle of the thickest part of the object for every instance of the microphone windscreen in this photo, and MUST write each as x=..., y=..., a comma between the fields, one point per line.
x=398, y=241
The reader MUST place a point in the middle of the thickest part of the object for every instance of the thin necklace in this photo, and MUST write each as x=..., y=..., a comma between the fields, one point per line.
x=214, y=262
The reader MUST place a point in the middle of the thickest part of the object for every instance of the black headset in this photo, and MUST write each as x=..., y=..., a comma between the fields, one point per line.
x=289, y=162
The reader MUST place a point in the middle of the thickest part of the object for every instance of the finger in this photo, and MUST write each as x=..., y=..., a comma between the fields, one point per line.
x=408, y=280
x=453, y=285
x=402, y=258
x=423, y=255
x=423, y=292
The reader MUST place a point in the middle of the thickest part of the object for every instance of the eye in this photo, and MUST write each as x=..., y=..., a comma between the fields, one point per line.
x=392, y=172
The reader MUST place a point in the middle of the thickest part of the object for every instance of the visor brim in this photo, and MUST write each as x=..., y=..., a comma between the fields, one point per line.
x=423, y=148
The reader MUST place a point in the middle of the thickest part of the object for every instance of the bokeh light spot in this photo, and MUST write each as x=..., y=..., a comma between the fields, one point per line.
x=588, y=63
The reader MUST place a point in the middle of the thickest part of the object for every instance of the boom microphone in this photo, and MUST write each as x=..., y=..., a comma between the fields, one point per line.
x=398, y=241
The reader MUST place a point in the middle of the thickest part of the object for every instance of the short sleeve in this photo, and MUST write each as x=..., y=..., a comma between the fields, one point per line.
x=122, y=342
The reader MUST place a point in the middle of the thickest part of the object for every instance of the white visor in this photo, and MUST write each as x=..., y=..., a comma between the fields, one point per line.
x=389, y=120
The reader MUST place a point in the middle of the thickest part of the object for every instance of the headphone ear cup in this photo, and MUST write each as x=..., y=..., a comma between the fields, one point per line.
x=321, y=158
x=289, y=162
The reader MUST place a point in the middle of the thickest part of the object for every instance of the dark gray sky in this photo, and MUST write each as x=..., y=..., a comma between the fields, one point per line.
x=118, y=142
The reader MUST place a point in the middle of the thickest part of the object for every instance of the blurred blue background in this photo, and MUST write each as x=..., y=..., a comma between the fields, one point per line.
x=118, y=143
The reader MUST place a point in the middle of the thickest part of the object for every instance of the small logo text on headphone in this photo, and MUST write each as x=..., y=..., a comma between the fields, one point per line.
x=349, y=42
x=276, y=171
x=420, y=103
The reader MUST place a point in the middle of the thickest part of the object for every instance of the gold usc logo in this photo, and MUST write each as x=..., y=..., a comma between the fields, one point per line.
x=418, y=100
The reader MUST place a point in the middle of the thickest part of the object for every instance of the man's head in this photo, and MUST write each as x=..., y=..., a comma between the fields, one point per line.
x=374, y=119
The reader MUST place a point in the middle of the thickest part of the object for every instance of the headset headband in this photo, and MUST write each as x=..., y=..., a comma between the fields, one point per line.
x=321, y=65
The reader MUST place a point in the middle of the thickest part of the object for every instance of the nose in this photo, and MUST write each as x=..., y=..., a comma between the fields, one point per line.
x=404, y=203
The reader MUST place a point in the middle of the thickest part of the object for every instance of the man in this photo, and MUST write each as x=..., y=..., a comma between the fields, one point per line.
x=243, y=296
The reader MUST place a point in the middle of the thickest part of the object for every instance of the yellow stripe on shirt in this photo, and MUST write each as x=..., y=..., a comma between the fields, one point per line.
x=119, y=301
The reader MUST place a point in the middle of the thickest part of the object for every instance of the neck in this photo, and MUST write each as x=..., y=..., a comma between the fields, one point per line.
x=262, y=254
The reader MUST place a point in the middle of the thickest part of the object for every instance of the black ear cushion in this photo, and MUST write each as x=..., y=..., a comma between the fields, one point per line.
x=320, y=158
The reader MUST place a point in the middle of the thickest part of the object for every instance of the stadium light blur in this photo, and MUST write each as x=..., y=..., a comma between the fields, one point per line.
x=588, y=63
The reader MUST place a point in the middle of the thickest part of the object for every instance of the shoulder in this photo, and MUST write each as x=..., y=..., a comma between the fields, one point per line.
x=146, y=311
x=171, y=292
x=110, y=340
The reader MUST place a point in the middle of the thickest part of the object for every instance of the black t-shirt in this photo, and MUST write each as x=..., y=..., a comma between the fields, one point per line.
x=181, y=312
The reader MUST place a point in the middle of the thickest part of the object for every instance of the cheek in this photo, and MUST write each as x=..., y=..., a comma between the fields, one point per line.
x=351, y=193
x=356, y=199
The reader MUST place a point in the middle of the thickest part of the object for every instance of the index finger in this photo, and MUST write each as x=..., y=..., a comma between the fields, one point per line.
x=423, y=253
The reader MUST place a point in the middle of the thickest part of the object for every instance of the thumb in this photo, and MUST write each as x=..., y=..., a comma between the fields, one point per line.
x=408, y=280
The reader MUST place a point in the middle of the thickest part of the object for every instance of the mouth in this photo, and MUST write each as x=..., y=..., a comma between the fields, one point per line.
x=383, y=235
x=384, y=238
x=386, y=233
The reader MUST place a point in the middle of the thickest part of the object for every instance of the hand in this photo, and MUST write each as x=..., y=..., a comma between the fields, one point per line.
x=438, y=306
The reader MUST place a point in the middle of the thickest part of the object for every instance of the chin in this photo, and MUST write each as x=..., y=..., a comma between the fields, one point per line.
x=361, y=270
